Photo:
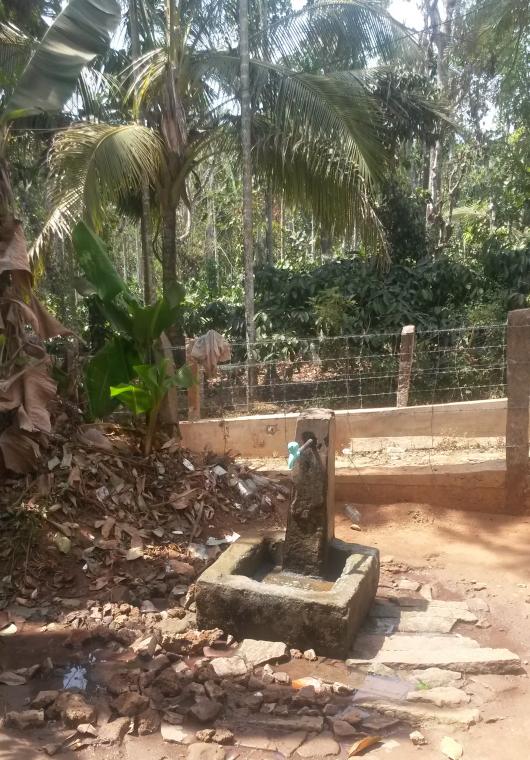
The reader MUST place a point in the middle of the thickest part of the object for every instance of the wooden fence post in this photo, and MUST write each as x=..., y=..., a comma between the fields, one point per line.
x=194, y=392
x=518, y=391
x=406, y=357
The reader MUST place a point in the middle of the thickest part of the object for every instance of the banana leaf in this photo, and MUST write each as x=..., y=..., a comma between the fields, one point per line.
x=80, y=32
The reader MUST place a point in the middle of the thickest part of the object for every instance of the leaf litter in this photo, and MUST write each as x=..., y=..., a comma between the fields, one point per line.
x=89, y=522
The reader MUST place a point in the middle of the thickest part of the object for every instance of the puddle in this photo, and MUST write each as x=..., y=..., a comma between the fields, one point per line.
x=279, y=577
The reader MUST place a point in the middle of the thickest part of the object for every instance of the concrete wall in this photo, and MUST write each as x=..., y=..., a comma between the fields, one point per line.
x=471, y=487
x=267, y=436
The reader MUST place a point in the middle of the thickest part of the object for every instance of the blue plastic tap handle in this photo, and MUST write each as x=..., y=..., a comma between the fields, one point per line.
x=294, y=453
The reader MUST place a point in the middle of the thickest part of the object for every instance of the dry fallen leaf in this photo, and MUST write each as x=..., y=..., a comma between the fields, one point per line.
x=9, y=678
x=62, y=543
x=361, y=745
x=135, y=553
x=8, y=630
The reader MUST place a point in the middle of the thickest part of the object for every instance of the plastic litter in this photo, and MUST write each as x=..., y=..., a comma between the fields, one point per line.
x=75, y=678
x=211, y=541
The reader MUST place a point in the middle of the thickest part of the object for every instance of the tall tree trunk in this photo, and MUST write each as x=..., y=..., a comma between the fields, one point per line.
x=246, y=126
x=145, y=220
x=269, y=233
x=440, y=36
x=169, y=272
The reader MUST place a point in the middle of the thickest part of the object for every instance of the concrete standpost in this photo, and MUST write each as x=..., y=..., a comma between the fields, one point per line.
x=310, y=522
x=406, y=357
x=518, y=390
x=194, y=391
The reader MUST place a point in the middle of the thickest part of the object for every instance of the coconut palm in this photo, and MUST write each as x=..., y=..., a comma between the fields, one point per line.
x=316, y=135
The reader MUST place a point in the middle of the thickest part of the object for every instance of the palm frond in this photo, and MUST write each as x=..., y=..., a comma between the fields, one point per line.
x=314, y=173
x=100, y=163
x=319, y=107
x=15, y=49
x=340, y=32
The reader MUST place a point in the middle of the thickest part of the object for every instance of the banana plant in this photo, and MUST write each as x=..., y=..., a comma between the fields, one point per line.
x=146, y=396
x=137, y=328
x=35, y=78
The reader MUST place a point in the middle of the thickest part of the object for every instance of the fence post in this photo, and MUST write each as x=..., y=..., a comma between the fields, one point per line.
x=517, y=390
x=194, y=391
x=406, y=357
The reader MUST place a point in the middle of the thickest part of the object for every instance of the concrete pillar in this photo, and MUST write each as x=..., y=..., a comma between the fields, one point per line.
x=406, y=357
x=310, y=522
x=518, y=389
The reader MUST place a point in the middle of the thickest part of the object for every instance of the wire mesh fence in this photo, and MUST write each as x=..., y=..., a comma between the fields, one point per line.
x=358, y=371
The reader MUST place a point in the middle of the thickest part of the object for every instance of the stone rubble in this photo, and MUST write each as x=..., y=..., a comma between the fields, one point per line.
x=204, y=691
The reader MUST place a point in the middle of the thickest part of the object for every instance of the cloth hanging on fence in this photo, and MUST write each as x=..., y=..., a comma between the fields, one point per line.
x=210, y=350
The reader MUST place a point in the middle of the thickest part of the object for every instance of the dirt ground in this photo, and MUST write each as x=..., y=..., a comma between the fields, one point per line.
x=456, y=553
x=452, y=550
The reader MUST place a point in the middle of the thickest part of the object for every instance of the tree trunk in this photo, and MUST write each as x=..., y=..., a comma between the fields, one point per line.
x=169, y=275
x=269, y=235
x=246, y=126
x=145, y=221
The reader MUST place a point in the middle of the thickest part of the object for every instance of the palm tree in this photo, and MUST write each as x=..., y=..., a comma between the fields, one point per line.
x=316, y=136
x=246, y=171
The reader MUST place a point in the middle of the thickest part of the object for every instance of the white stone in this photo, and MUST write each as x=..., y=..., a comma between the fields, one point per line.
x=226, y=667
x=476, y=604
x=441, y=696
x=418, y=713
x=453, y=652
x=177, y=734
x=256, y=652
x=407, y=585
x=432, y=677
x=417, y=738
x=451, y=748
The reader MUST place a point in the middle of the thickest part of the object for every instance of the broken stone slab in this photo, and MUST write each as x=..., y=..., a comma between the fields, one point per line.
x=206, y=710
x=427, y=622
x=74, y=709
x=369, y=645
x=114, y=732
x=377, y=723
x=145, y=646
x=307, y=723
x=203, y=751
x=148, y=722
x=408, y=585
x=256, y=652
x=441, y=696
x=24, y=719
x=287, y=744
x=418, y=714
x=176, y=734
x=229, y=667
x=44, y=699
x=476, y=604
x=451, y=748
x=433, y=677
x=130, y=704
x=319, y=746
x=170, y=630
x=424, y=616
x=342, y=728
x=422, y=651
